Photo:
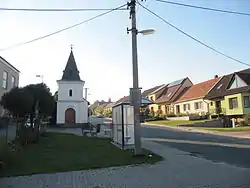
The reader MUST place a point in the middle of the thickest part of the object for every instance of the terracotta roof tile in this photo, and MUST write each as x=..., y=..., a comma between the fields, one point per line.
x=125, y=98
x=198, y=90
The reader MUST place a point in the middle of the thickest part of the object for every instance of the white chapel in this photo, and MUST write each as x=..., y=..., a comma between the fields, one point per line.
x=72, y=108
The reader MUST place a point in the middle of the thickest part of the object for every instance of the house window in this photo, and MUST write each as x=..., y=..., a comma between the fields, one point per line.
x=159, y=107
x=151, y=98
x=152, y=109
x=13, y=81
x=70, y=92
x=211, y=103
x=186, y=107
x=197, y=105
x=246, y=102
x=167, y=108
x=5, y=79
x=233, y=103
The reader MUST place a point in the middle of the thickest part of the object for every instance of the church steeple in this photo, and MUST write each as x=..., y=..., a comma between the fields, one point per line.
x=71, y=72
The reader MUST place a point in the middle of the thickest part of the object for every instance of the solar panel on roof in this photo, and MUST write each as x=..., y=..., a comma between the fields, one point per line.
x=177, y=82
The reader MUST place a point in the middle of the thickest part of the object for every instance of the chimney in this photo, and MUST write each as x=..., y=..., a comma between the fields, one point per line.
x=216, y=76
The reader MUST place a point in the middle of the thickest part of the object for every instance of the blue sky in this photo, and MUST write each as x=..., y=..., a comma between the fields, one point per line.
x=102, y=47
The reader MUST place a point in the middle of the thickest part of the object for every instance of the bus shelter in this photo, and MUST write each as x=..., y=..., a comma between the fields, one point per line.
x=123, y=123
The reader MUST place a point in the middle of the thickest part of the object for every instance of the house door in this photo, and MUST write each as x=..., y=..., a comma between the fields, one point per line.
x=70, y=116
x=177, y=109
x=167, y=107
x=218, y=107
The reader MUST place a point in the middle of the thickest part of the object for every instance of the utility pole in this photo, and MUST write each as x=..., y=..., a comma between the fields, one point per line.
x=135, y=92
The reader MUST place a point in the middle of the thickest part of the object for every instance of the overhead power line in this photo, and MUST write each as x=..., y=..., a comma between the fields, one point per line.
x=58, y=10
x=188, y=35
x=205, y=8
x=61, y=30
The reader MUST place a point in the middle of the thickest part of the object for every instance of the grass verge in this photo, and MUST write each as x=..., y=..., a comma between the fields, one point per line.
x=60, y=152
x=175, y=123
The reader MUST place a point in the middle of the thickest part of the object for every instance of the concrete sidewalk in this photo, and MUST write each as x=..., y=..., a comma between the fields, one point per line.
x=236, y=134
x=178, y=170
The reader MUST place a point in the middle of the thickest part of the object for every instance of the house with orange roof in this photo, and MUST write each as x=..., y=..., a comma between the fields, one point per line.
x=192, y=100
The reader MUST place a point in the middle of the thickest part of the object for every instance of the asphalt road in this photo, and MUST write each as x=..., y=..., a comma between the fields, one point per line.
x=231, y=155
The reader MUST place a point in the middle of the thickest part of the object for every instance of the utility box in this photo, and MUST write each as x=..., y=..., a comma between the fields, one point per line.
x=123, y=124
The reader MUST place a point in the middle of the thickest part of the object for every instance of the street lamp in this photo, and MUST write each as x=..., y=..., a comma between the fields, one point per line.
x=147, y=32
x=143, y=32
x=135, y=92
x=40, y=76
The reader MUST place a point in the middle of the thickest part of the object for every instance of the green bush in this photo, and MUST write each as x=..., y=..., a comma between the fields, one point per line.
x=108, y=114
x=247, y=117
x=243, y=123
x=171, y=115
x=154, y=119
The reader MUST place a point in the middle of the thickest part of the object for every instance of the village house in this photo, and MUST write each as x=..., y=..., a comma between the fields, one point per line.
x=230, y=96
x=9, y=78
x=167, y=95
x=192, y=101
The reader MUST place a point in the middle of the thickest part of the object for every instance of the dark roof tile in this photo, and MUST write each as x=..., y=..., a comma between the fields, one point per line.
x=221, y=88
x=71, y=72
x=148, y=91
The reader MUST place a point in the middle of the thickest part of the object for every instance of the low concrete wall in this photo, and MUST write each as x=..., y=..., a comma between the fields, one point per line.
x=212, y=124
x=191, y=117
x=178, y=118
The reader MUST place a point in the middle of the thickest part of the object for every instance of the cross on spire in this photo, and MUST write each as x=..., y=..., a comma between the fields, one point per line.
x=71, y=47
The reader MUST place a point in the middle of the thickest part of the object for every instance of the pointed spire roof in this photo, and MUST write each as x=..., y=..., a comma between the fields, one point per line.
x=71, y=72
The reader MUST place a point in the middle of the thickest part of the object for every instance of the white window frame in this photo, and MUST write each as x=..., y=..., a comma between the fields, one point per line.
x=186, y=107
x=13, y=83
x=246, y=101
x=70, y=93
x=5, y=80
x=233, y=103
x=198, y=105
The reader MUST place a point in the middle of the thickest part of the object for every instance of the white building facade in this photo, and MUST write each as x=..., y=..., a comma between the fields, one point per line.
x=72, y=108
x=9, y=78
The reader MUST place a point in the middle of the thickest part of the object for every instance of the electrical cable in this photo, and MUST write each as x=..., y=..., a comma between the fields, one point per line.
x=188, y=35
x=57, y=10
x=205, y=8
x=61, y=30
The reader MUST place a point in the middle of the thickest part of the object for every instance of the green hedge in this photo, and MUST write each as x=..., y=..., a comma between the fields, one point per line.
x=154, y=118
